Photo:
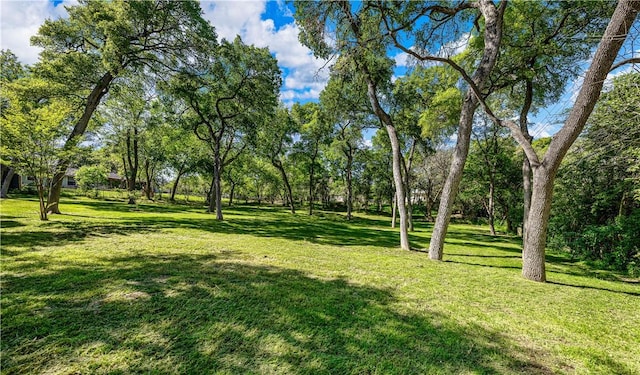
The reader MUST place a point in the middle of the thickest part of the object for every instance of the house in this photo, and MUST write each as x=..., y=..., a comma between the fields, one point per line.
x=68, y=181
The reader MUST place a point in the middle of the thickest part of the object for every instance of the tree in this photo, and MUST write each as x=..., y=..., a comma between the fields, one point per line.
x=10, y=70
x=346, y=108
x=429, y=18
x=363, y=55
x=426, y=107
x=32, y=128
x=314, y=132
x=275, y=141
x=90, y=177
x=126, y=114
x=100, y=41
x=545, y=168
x=229, y=96
x=595, y=212
x=490, y=171
x=542, y=49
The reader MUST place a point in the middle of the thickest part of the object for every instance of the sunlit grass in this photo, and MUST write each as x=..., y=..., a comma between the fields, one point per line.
x=159, y=288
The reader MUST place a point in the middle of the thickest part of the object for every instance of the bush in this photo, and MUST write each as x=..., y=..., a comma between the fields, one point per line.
x=90, y=177
x=615, y=245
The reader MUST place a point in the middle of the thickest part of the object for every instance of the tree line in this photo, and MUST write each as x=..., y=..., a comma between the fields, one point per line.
x=147, y=88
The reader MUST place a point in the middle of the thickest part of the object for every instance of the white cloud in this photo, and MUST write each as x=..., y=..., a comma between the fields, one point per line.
x=20, y=20
x=401, y=59
x=543, y=129
x=455, y=47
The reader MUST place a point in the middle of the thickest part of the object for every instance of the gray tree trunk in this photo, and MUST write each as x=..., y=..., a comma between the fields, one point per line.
x=492, y=38
x=526, y=166
x=7, y=182
x=451, y=184
x=80, y=127
x=394, y=210
x=544, y=172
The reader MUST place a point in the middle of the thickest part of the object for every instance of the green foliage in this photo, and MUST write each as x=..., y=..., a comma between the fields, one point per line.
x=114, y=36
x=33, y=125
x=91, y=177
x=10, y=67
x=596, y=208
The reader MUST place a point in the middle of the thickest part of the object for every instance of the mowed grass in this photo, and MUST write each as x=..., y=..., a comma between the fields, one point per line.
x=162, y=289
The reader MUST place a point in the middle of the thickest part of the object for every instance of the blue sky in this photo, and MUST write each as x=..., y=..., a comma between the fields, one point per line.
x=260, y=22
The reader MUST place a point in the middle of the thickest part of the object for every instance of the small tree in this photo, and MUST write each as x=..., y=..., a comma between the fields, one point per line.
x=33, y=127
x=90, y=177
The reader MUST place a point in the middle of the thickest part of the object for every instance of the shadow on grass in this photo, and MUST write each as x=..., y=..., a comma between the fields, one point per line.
x=637, y=294
x=296, y=228
x=206, y=314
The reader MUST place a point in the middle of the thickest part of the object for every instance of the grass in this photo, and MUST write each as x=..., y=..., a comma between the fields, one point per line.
x=159, y=288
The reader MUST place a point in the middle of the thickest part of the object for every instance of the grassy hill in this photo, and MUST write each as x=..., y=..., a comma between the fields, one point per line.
x=158, y=288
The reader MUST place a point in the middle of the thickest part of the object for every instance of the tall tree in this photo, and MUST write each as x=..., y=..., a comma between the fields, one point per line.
x=429, y=19
x=543, y=46
x=100, y=41
x=10, y=70
x=274, y=142
x=126, y=114
x=347, y=109
x=229, y=96
x=32, y=126
x=362, y=52
x=315, y=131
x=545, y=168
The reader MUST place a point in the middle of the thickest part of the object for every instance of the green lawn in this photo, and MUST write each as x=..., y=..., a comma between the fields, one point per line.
x=111, y=288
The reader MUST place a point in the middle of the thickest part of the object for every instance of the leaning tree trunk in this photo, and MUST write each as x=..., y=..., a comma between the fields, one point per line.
x=7, y=182
x=526, y=166
x=174, y=188
x=450, y=189
x=492, y=38
x=544, y=172
x=93, y=100
x=285, y=179
x=217, y=185
x=349, y=184
x=394, y=210
x=311, y=180
x=491, y=207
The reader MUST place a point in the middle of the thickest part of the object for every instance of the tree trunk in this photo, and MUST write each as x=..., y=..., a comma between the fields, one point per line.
x=533, y=252
x=450, y=188
x=210, y=200
x=311, y=179
x=394, y=210
x=428, y=207
x=93, y=100
x=526, y=166
x=132, y=152
x=349, y=183
x=7, y=182
x=397, y=163
x=285, y=179
x=492, y=38
x=149, y=180
x=491, y=207
x=43, y=206
x=174, y=188
x=544, y=173
x=217, y=184
x=233, y=188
